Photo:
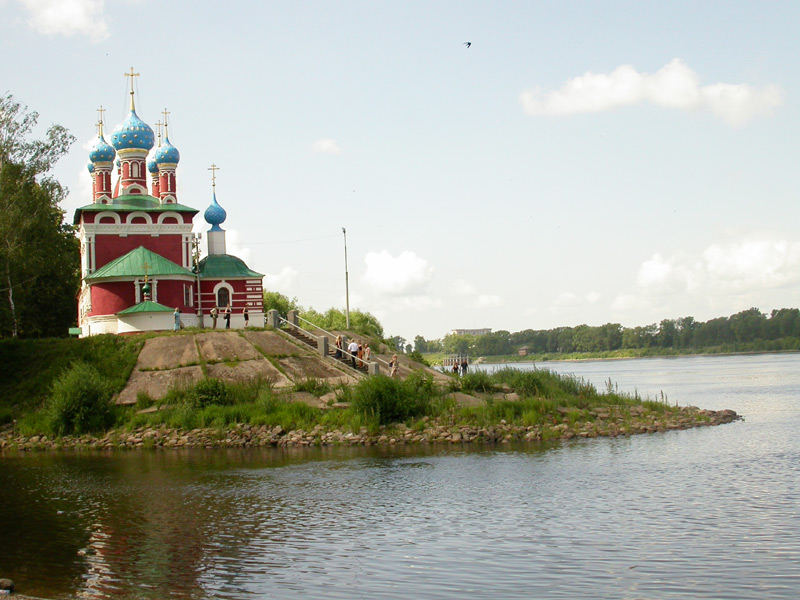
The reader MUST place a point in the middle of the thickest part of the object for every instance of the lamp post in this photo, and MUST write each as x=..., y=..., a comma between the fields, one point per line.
x=346, y=280
x=196, y=237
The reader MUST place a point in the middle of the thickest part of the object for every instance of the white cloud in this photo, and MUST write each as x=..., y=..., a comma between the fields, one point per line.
x=675, y=85
x=68, y=17
x=753, y=264
x=725, y=277
x=233, y=247
x=282, y=281
x=325, y=146
x=462, y=288
x=406, y=274
x=488, y=301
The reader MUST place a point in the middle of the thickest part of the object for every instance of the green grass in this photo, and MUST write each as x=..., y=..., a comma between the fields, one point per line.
x=28, y=368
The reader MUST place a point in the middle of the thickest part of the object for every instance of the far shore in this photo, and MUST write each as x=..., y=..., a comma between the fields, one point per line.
x=511, y=360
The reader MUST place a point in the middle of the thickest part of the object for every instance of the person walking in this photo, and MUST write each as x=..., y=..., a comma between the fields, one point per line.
x=246, y=315
x=360, y=355
x=338, y=353
x=214, y=316
x=395, y=367
x=177, y=315
x=367, y=353
x=228, y=316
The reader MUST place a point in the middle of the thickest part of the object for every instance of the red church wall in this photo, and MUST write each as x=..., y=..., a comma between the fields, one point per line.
x=240, y=294
x=110, y=298
x=170, y=293
x=110, y=247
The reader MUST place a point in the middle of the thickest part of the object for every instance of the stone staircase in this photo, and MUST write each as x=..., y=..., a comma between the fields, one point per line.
x=311, y=341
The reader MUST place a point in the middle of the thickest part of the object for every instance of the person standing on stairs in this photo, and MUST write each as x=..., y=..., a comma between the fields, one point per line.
x=352, y=348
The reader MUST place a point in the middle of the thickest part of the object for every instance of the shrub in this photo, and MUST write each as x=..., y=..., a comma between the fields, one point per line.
x=210, y=391
x=389, y=400
x=80, y=401
x=478, y=381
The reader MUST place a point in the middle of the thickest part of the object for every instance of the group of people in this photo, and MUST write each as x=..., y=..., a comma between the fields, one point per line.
x=359, y=353
x=226, y=315
x=460, y=367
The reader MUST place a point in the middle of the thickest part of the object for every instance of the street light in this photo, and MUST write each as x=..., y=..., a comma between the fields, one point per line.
x=346, y=280
x=196, y=237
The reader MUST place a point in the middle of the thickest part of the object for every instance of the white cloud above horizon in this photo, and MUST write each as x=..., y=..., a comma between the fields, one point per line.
x=283, y=281
x=723, y=275
x=325, y=146
x=675, y=85
x=68, y=17
x=405, y=274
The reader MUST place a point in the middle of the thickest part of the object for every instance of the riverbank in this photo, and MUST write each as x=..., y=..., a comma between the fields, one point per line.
x=603, y=421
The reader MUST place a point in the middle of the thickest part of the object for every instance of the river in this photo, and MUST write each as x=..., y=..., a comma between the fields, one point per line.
x=703, y=513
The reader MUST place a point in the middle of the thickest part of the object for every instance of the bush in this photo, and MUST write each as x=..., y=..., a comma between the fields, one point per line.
x=80, y=401
x=478, y=381
x=392, y=401
x=210, y=391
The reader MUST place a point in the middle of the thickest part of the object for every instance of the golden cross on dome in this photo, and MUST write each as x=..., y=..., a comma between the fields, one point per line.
x=100, y=112
x=158, y=129
x=145, y=266
x=213, y=168
x=131, y=75
x=166, y=114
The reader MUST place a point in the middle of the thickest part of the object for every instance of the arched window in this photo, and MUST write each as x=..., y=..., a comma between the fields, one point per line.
x=223, y=297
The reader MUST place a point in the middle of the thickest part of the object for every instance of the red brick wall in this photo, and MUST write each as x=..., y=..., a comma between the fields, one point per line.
x=110, y=247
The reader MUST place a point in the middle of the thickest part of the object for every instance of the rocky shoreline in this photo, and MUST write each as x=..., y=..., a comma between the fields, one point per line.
x=607, y=421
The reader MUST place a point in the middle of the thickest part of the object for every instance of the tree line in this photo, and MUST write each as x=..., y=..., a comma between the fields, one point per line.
x=686, y=333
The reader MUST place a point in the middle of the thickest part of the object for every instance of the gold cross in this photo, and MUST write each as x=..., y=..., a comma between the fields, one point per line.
x=131, y=75
x=145, y=266
x=158, y=129
x=100, y=112
x=213, y=168
x=166, y=127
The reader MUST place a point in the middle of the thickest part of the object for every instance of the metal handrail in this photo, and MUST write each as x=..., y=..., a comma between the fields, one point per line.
x=299, y=318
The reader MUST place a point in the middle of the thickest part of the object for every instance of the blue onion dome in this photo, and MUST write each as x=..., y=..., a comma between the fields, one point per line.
x=102, y=151
x=152, y=166
x=215, y=215
x=167, y=153
x=90, y=167
x=132, y=133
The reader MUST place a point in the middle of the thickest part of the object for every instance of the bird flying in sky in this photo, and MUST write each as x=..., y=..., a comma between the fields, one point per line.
x=468, y=44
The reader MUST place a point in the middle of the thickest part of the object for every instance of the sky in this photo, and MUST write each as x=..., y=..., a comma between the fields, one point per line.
x=578, y=162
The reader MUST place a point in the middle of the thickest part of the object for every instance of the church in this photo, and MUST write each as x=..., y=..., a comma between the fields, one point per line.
x=139, y=257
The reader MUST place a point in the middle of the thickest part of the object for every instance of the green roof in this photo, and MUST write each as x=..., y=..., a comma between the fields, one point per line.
x=225, y=265
x=133, y=202
x=148, y=306
x=132, y=265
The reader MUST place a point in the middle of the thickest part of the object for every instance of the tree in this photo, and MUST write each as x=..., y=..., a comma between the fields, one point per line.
x=334, y=319
x=281, y=303
x=39, y=254
x=748, y=325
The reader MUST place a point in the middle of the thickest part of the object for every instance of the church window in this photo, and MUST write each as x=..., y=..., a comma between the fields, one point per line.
x=223, y=297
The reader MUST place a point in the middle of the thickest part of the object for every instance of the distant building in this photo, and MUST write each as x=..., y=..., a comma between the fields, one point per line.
x=484, y=331
x=137, y=247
